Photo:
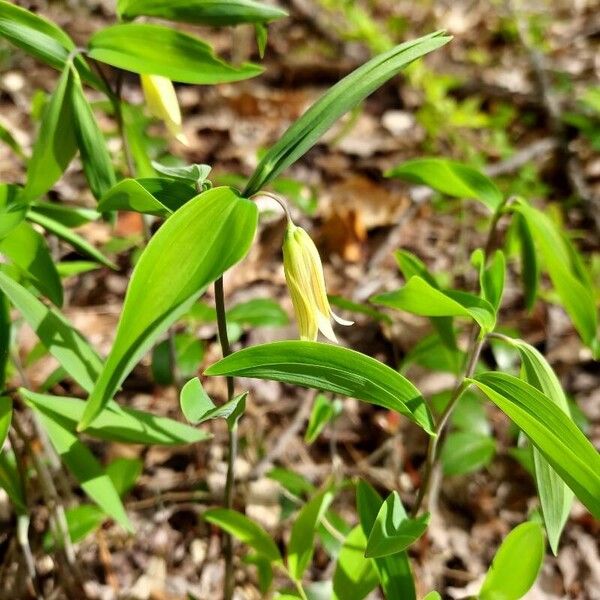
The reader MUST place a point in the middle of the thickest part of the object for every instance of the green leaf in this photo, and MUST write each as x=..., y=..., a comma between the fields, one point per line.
x=356, y=307
x=342, y=97
x=157, y=50
x=10, y=481
x=420, y=298
x=203, y=239
x=245, y=530
x=7, y=137
x=86, y=469
x=40, y=38
x=432, y=353
x=467, y=451
x=393, y=531
x=323, y=411
x=264, y=570
x=530, y=269
x=432, y=596
x=12, y=208
x=81, y=521
x=300, y=548
x=569, y=278
x=56, y=144
x=329, y=368
x=5, y=327
x=410, y=265
x=394, y=571
x=195, y=174
x=68, y=215
x=124, y=473
x=261, y=31
x=450, y=178
x=6, y=408
x=95, y=158
x=555, y=496
x=516, y=564
x=115, y=423
x=203, y=12
x=491, y=278
x=197, y=406
x=551, y=431
x=64, y=342
x=259, y=312
x=26, y=248
x=152, y=196
x=72, y=238
x=355, y=576
x=294, y=483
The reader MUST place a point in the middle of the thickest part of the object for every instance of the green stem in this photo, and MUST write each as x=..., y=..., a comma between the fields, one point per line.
x=232, y=441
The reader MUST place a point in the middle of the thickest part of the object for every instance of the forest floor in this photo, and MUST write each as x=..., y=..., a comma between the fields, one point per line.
x=477, y=100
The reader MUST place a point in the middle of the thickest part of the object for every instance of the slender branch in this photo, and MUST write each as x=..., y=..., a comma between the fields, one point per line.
x=232, y=440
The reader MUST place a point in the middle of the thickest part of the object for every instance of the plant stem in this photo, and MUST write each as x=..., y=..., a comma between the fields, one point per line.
x=232, y=440
x=473, y=356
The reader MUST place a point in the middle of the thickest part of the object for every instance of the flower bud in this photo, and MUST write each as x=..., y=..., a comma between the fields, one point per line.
x=162, y=103
x=306, y=283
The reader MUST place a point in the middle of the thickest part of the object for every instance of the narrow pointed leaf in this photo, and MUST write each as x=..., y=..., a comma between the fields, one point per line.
x=6, y=408
x=245, y=530
x=301, y=545
x=95, y=158
x=338, y=100
x=27, y=249
x=202, y=12
x=116, y=423
x=67, y=235
x=198, y=243
x=551, y=431
x=64, y=342
x=420, y=298
x=86, y=469
x=450, y=178
x=55, y=145
x=329, y=368
x=555, y=496
x=157, y=50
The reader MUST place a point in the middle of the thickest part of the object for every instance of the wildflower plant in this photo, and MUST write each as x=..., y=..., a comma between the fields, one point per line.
x=203, y=232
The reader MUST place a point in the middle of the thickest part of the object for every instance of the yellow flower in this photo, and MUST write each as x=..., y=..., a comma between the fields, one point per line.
x=306, y=283
x=162, y=103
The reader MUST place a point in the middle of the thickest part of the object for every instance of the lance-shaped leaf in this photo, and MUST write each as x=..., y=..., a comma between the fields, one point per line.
x=530, y=267
x=41, y=38
x=450, y=178
x=86, y=469
x=491, y=277
x=568, y=275
x=394, y=570
x=152, y=196
x=59, y=337
x=329, y=368
x=69, y=236
x=551, y=431
x=5, y=326
x=12, y=208
x=245, y=530
x=555, y=496
x=27, y=249
x=421, y=298
x=197, y=244
x=116, y=423
x=157, y=50
x=68, y=215
x=302, y=538
x=393, y=531
x=95, y=158
x=6, y=408
x=202, y=12
x=55, y=145
x=339, y=99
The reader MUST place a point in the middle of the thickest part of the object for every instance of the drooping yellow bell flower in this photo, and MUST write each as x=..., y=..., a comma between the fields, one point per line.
x=306, y=283
x=162, y=103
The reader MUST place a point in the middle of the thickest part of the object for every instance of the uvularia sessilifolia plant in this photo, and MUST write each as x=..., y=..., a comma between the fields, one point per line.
x=205, y=231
